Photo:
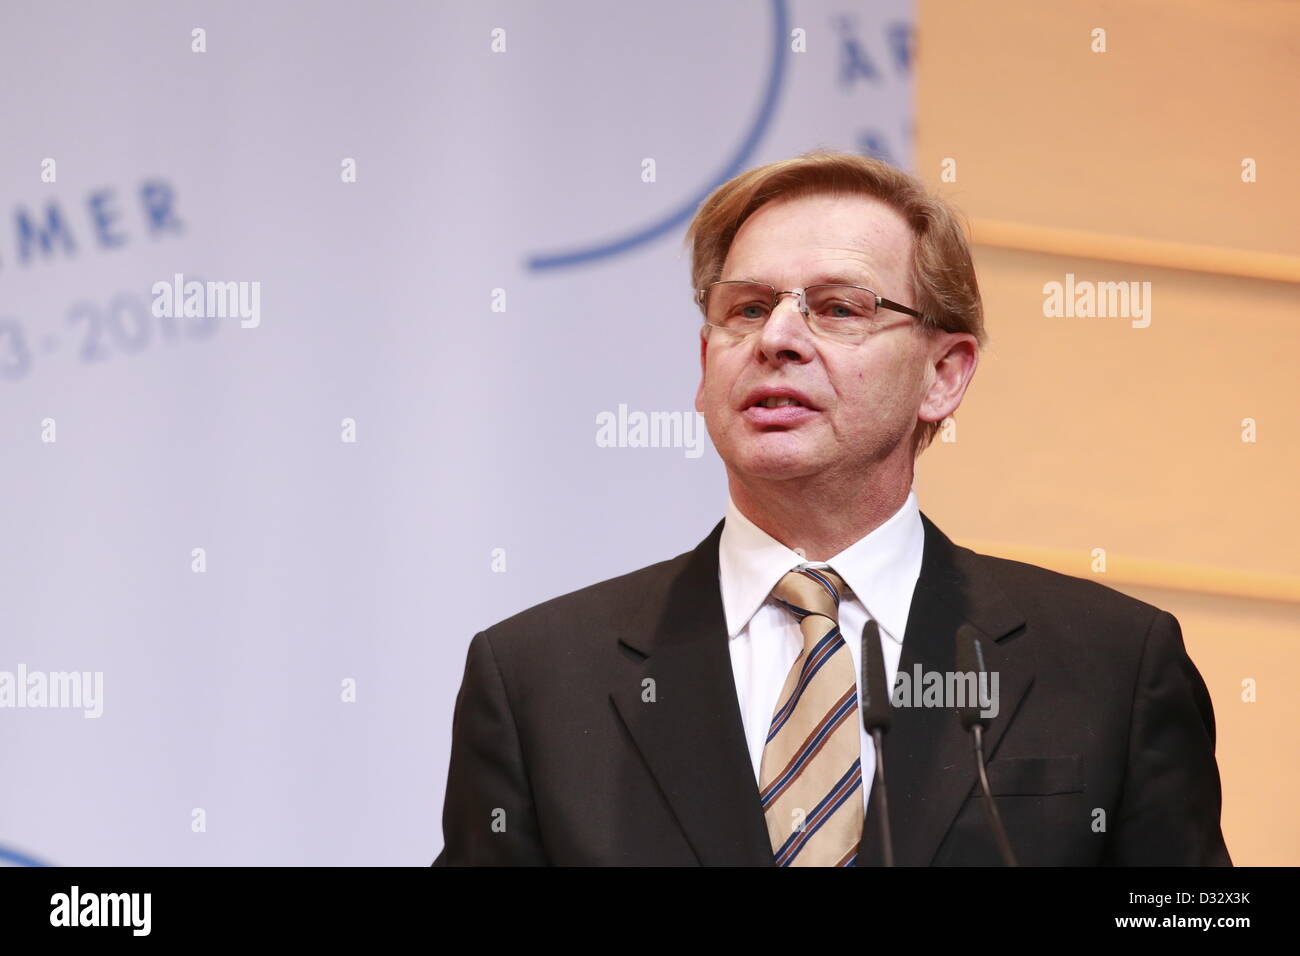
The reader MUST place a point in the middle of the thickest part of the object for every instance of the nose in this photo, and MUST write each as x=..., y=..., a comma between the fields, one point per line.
x=786, y=331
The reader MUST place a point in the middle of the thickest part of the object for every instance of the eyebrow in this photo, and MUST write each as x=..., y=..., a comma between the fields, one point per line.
x=865, y=281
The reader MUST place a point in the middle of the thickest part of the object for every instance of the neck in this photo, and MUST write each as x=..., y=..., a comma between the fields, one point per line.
x=820, y=515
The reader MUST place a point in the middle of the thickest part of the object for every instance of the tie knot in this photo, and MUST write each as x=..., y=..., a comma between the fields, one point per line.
x=807, y=590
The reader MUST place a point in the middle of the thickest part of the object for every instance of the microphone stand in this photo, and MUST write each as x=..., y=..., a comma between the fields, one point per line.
x=876, y=718
x=970, y=658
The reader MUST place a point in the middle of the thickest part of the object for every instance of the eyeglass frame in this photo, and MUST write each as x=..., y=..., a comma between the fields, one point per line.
x=881, y=302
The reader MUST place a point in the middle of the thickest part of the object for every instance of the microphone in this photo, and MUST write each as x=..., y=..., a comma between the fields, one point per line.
x=877, y=714
x=970, y=658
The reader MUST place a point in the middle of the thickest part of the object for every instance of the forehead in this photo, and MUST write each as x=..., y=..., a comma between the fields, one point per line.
x=790, y=242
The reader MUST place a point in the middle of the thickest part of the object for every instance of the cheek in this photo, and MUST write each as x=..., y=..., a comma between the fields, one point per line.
x=719, y=378
x=881, y=389
x=712, y=384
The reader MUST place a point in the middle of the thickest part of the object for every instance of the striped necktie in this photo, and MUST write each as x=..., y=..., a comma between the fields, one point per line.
x=812, y=761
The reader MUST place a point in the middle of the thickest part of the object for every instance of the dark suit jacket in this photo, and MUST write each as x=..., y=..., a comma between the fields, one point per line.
x=1102, y=752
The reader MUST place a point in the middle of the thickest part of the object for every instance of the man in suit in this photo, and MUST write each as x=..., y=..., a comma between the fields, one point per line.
x=705, y=709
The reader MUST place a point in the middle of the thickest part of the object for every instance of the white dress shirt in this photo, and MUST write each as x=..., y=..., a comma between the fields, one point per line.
x=881, y=569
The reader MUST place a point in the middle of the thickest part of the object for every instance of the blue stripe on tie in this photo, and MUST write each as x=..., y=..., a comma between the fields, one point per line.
x=776, y=786
x=795, y=609
x=852, y=861
x=825, y=582
x=832, y=801
x=809, y=670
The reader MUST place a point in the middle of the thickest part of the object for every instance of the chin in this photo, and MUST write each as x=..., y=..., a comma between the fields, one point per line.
x=772, y=463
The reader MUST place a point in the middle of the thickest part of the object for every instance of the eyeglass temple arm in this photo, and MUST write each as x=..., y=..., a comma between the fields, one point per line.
x=882, y=302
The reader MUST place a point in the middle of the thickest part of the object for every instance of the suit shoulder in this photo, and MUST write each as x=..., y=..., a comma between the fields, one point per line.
x=589, y=610
x=1039, y=590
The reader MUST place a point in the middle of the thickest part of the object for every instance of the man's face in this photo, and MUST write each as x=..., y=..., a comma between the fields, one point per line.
x=865, y=397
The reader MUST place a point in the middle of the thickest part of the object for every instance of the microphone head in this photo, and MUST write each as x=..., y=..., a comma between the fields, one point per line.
x=877, y=709
x=969, y=659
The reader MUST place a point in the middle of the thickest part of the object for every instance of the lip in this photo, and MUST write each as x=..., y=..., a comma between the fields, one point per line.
x=785, y=415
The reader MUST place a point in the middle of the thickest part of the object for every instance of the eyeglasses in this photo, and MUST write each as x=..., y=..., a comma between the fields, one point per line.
x=845, y=312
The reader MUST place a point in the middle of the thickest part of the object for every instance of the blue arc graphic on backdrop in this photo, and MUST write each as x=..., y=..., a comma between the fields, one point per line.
x=10, y=857
x=678, y=217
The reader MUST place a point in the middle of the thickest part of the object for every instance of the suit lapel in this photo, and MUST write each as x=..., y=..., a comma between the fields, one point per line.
x=691, y=735
x=929, y=762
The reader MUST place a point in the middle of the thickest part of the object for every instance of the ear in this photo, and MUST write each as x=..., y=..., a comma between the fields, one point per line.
x=950, y=366
x=704, y=364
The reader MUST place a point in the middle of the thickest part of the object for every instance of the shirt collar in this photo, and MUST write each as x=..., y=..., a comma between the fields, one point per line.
x=881, y=568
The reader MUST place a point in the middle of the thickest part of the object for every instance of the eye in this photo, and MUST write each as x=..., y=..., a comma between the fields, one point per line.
x=841, y=303
x=751, y=310
x=839, y=309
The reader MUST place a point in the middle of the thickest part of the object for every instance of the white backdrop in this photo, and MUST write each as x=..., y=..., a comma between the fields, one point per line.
x=476, y=485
